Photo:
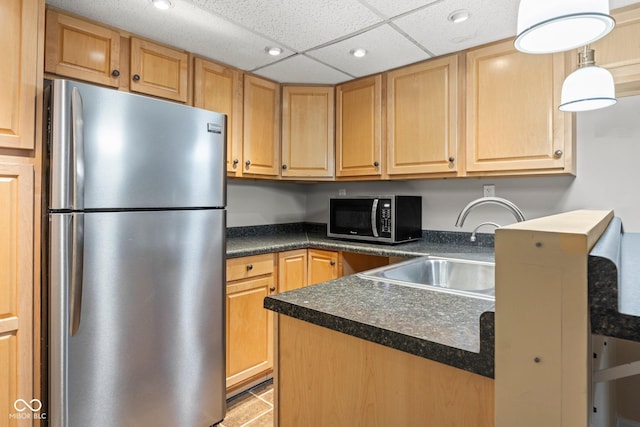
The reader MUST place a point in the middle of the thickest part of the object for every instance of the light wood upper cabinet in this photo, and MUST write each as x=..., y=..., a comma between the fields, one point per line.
x=261, y=143
x=18, y=68
x=359, y=128
x=16, y=285
x=292, y=270
x=308, y=131
x=323, y=266
x=159, y=70
x=422, y=118
x=249, y=329
x=81, y=50
x=619, y=51
x=513, y=122
x=219, y=88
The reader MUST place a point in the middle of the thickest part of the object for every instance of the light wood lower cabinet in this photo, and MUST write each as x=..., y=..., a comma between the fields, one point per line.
x=330, y=378
x=249, y=326
x=16, y=289
x=304, y=267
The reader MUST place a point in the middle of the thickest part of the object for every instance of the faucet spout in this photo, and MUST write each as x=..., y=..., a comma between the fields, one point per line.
x=517, y=213
x=475, y=230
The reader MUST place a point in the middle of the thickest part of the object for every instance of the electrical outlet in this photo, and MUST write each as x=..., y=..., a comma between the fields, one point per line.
x=489, y=190
x=342, y=192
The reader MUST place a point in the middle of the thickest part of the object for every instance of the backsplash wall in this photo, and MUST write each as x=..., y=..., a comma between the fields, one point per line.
x=608, y=170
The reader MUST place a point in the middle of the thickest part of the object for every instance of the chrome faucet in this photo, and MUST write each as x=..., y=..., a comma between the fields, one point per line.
x=488, y=201
x=473, y=233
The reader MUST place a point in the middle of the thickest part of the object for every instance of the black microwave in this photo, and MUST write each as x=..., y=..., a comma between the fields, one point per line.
x=385, y=219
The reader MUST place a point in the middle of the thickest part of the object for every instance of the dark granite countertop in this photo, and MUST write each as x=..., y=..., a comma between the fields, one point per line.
x=451, y=329
x=614, y=283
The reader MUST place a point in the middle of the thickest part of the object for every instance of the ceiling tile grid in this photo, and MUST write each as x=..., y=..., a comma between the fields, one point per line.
x=316, y=36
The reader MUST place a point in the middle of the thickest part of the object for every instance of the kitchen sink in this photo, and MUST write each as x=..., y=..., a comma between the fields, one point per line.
x=459, y=276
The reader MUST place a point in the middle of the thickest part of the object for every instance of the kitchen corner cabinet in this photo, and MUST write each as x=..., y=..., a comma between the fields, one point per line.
x=219, y=88
x=82, y=50
x=422, y=118
x=19, y=47
x=308, y=131
x=261, y=136
x=359, y=128
x=513, y=123
x=302, y=267
x=249, y=329
x=159, y=70
x=619, y=51
x=323, y=266
x=16, y=282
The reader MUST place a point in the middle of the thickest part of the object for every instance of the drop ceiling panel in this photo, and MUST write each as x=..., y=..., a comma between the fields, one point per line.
x=489, y=21
x=184, y=26
x=389, y=9
x=386, y=49
x=300, y=69
x=297, y=24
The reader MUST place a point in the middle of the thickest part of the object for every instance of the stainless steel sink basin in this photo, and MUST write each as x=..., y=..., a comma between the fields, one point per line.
x=466, y=277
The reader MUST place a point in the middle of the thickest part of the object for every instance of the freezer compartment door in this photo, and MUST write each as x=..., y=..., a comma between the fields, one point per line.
x=147, y=344
x=117, y=150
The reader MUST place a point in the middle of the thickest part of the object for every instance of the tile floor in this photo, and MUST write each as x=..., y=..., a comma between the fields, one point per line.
x=253, y=408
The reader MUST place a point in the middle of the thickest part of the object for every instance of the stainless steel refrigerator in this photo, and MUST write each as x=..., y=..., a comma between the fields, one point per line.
x=137, y=192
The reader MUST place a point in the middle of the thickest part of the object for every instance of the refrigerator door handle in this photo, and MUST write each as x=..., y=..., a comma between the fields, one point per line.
x=77, y=142
x=77, y=262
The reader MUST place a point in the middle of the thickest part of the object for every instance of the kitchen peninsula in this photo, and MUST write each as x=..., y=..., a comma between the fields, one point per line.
x=366, y=338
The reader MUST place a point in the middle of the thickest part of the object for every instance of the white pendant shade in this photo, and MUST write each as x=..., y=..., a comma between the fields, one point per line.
x=548, y=26
x=587, y=88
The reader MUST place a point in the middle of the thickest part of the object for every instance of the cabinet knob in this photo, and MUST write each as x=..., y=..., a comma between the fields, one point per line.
x=235, y=163
x=247, y=163
x=376, y=164
x=284, y=167
x=452, y=159
x=249, y=267
x=272, y=288
x=136, y=77
x=557, y=154
x=332, y=262
x=115, y=73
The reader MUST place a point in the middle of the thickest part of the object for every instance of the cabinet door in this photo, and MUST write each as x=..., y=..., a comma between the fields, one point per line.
x=619, y=51
x=82, y=50
x=513, y=122
x=16, y=286
x=292, y=270
x=19, y=69
x=323, y=266
x=308, y=131
x=219, y=88
x=249, y=329
x=261, y=147
x=359, y=128
x=158, y=70
x=422, y=118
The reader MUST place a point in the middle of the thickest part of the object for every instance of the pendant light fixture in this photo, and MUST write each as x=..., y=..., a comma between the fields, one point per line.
x=548, y=26
x=589, y=87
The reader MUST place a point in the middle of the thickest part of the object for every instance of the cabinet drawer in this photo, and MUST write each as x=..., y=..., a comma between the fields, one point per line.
x=251, y=266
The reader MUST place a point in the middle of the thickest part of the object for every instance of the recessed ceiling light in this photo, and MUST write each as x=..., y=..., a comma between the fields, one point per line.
x=458, y=16
x=162, y=4
x=273, y=51
x=358, y=53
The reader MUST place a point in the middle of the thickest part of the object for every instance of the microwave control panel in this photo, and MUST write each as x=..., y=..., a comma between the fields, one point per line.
x=385, y=217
